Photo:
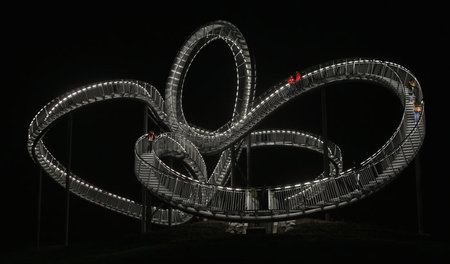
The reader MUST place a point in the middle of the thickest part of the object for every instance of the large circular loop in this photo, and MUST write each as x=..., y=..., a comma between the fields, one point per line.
x=192, y=46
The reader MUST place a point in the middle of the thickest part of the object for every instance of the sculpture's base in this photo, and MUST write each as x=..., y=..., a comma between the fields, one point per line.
x=261, y=228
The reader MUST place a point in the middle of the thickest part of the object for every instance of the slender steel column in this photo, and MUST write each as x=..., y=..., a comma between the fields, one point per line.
x=144, y=210
x=143, y=189
x=149, y=215
x=170, y=216
x=69, y=168
x=38, y=231
x=169, y=213
x=249, y=143
x=419, y=195
x=233, y=166
x=326, y=163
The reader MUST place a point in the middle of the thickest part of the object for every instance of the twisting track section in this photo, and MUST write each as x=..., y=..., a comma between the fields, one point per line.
x=210, y=195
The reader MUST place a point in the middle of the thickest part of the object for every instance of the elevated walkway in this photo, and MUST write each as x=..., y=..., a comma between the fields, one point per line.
x=208, y=195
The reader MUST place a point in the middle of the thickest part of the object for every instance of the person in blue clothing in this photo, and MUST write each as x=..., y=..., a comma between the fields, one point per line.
x=416, y=99
x=411, y=87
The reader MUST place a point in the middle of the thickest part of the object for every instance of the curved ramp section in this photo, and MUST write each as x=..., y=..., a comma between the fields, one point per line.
x=120, y=89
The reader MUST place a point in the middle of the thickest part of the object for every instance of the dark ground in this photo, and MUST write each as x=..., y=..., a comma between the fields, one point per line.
x=315, y=240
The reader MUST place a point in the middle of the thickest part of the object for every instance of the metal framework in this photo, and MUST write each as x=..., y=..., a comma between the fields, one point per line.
x=210, y=195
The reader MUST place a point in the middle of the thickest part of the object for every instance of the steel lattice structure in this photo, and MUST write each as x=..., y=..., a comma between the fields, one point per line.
x=208, y=195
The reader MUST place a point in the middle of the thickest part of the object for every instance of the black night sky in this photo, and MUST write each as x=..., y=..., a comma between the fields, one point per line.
x=49, y=51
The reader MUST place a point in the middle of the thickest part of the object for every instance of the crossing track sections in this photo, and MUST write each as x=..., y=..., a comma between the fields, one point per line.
x=210, y=195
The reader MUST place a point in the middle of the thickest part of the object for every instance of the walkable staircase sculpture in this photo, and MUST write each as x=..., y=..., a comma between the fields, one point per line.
x=209, y=195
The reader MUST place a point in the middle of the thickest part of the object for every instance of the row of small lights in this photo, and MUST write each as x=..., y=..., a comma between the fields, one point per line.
x=84, y=89
x=73, y=179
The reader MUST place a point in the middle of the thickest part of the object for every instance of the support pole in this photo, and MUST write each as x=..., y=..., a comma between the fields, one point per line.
x=143, y=189
x=68, y=172
x=419, y=195
x=144, y=210
x=149, y=215
x=249, y=143
x=169, y=213
x=38, y=231
x=170, y=216
x=326, y=163
x=233, y=166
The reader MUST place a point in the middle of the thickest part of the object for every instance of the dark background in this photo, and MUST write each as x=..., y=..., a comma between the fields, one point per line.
x=48, y=50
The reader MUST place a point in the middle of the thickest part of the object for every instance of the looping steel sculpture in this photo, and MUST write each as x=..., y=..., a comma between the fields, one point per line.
x=208, y=195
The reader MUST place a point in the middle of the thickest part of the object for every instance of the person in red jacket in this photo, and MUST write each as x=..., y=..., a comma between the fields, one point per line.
x=297, y=76
x=291, y=80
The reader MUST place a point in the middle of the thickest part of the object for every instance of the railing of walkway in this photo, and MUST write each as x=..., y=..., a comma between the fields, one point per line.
x=374, y=172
